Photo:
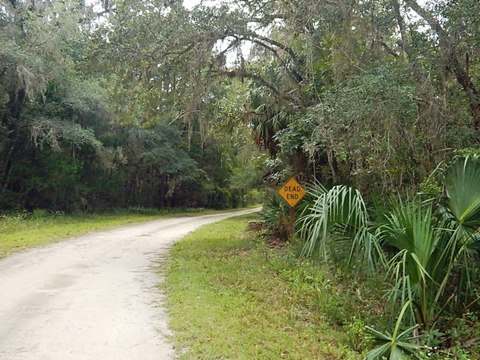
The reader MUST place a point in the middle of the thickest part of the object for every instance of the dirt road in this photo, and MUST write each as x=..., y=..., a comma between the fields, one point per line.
x=92, y=297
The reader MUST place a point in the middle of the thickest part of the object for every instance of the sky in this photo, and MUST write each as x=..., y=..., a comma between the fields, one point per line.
x=190, y=4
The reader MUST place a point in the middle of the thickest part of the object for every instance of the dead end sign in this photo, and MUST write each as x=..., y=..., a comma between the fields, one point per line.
x=292, y=192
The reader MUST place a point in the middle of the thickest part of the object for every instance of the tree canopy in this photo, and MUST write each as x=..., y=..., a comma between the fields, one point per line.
x=149, y=103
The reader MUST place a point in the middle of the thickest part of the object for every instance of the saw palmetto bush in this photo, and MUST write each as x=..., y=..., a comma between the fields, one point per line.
x=276, y=213
x=428, y=248
x=339, y=214
x=275, y=217
x=422, y=259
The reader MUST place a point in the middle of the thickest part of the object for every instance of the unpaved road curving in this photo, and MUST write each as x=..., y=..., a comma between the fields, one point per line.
x=92, y=297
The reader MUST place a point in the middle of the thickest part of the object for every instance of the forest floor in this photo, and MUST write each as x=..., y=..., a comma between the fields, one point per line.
x=91, y=297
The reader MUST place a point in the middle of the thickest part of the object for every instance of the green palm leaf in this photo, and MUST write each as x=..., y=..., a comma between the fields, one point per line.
x=463, y=192
x=342, y=206
x=398, y=345
x=462, y=213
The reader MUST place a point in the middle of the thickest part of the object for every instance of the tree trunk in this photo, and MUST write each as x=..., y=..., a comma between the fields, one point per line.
x=451, y=60
x=15, y=106
x=454, y=66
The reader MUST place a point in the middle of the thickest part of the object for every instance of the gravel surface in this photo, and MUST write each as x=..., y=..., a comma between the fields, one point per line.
x=91, y=297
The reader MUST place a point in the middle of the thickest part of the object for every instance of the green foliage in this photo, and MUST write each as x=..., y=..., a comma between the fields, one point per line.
x=103, y=134
x=323, y=69
x=430, y=188
x=359, y=338
x=368, y=122
x=156, y=105
x=285, y=310
x=422, y=265
x=51, y=132
x=463, y=194
x=275, y=215
x=341, y=210
x=296, y=137
x=425, y=249
x=398, y=345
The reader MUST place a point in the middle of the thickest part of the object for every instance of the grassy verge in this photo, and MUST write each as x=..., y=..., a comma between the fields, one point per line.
x=231, y=297
x=22, y=231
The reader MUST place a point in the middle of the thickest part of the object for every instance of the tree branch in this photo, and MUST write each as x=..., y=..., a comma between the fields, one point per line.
x=243, y=74
x=294, y=75
x=285, y=48
x=4, y=71
x=451, y=59
x=388, y=49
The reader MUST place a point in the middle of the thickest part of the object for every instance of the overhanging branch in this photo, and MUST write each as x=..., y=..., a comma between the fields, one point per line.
x=451, y=59
x=247, y=75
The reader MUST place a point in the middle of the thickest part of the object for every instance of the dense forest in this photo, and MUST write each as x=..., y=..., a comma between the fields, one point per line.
x=156, y=103
x=164, y=103
x=95, y=114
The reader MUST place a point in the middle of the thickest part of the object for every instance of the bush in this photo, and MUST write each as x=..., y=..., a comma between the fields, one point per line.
x=275, y=214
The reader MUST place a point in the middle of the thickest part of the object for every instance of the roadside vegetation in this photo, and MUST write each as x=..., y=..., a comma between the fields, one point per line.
x=231, y=294
x=165, y=104
x=425, y=247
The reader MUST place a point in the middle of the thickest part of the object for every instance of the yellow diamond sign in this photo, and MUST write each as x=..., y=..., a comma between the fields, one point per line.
x=292, y=192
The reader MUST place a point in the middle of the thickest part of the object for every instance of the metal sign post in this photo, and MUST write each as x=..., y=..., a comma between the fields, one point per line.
x=292, y=192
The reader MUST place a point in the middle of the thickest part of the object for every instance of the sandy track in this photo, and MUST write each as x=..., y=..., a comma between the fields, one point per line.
x=92, y=297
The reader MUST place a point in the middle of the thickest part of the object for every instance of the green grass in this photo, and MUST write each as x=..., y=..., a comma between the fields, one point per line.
x=22, y=231
x=231, y=297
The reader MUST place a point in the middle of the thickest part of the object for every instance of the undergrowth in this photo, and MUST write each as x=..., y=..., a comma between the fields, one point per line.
x=231, y=296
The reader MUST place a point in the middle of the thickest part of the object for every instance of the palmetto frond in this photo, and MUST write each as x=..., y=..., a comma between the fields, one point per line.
x=463, y=193
x=461, y=213
x=396, y=346
x=344, y=206
x=430, y=241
